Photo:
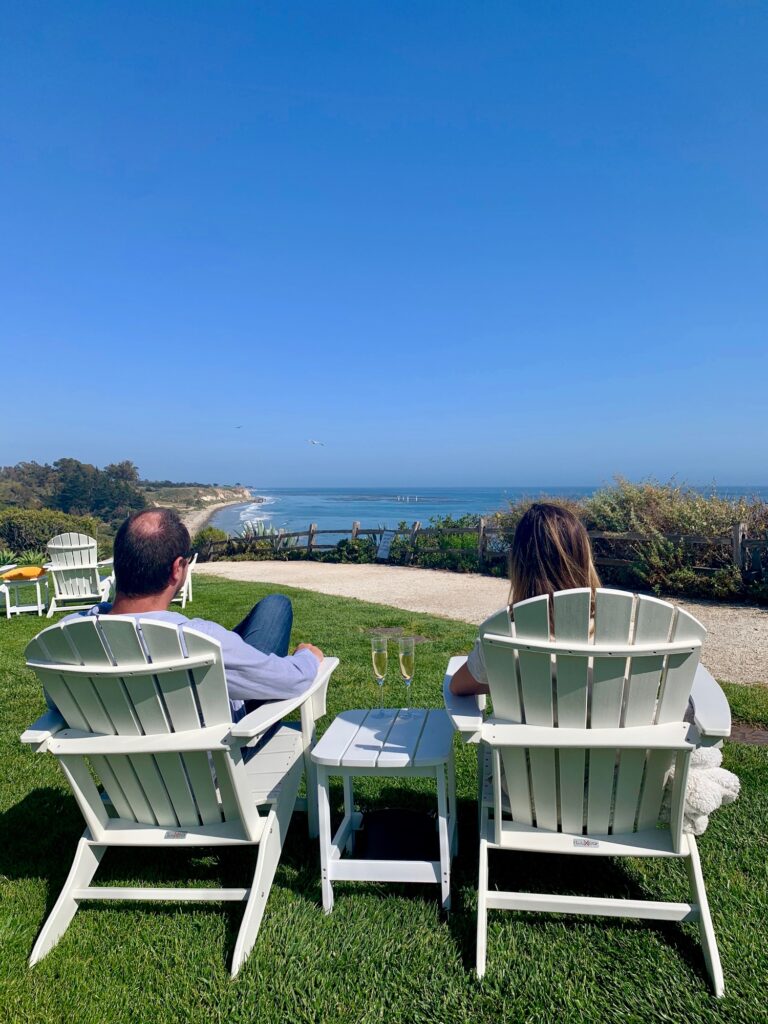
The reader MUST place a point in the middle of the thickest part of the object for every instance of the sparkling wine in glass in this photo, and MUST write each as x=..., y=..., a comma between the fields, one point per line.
x=407, y=656
x=379, y=657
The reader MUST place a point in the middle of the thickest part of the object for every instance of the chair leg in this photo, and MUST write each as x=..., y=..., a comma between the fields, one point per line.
x=482, y=894
x=453, y=808
x=445, y=839
x=52, y=608
x=324, y=811
x=706, y=928
x=270, y=848
x=87, y=858
x=310, y=775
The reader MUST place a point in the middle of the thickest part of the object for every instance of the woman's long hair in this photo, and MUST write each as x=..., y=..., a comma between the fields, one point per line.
x=550, y=552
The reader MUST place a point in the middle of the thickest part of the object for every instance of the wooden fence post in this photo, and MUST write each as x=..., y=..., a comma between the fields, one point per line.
x=311, y=537
x=739, y=535
x=412, y=541
x=481, y=542
x=355, y=529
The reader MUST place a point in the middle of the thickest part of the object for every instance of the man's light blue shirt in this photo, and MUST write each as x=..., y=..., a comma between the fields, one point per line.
x=251, y=674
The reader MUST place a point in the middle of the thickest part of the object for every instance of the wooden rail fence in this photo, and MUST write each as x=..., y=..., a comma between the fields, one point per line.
x=749, y=554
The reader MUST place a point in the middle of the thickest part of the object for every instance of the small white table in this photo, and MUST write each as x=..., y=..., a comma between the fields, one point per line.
x=9, y=592
x=416, y=743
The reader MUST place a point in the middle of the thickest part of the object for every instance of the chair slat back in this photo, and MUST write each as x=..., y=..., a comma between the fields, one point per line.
x=577, y=790
x=69, y=550
x=168, y=789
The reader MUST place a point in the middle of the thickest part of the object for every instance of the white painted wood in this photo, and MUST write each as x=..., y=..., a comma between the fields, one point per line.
x=184, y=595
x=74, y=571
x=419, y=744
x=332, y=745
x=384, y=871
x=593, y=905
x=144, y=706
x=712, y=715
x=603, y=701
x=364, y=750
x=436, y=742
x=403, y=738
x=613, y=620
x=537, y=694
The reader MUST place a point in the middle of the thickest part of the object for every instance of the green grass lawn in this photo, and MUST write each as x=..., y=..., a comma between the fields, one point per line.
x=385, y=953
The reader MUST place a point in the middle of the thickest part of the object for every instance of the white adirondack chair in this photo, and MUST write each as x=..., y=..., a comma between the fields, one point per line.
x=145, y=712
x=74, y=569
x=586, y=725
x=185, y=593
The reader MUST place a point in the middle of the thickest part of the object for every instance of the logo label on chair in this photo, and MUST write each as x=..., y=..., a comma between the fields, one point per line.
x=585, y=842
x=175, y=835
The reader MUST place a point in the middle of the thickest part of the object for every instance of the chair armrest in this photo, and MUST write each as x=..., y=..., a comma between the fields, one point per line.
x=258, y=721
x=711, y=713
x=106, y=561
x=46, y=726
x=7, y=568
x=465, y=712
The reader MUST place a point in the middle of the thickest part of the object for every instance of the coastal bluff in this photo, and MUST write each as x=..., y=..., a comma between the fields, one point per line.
x=197, y=503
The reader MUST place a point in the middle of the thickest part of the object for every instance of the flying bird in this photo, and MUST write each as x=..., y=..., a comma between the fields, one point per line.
x=310, y=441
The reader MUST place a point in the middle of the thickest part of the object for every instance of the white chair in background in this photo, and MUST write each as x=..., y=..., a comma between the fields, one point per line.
x=185, y=593
x=144, y=735
x=74, y=571
x=588, y=720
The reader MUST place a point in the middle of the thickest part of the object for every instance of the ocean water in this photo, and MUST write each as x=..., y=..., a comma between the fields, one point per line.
x=336, y=508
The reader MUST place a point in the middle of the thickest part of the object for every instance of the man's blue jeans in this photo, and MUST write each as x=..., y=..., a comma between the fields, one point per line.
x=267, y=627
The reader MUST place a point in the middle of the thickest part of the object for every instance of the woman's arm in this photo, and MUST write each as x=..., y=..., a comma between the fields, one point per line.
x=463, y=683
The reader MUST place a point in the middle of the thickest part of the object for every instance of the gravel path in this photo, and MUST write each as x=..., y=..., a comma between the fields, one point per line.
x=736, y=648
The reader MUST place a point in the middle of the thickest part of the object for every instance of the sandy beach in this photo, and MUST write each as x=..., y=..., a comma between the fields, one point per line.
x=736, y=647
x=198, y=518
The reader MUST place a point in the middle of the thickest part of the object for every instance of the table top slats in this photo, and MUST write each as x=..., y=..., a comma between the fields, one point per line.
x=403, y=739
x=436, y=739
x=364, y=750
x=385, y=738
x=331, y=747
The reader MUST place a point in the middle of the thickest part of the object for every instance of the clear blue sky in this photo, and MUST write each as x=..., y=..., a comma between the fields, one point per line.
x=461, y=243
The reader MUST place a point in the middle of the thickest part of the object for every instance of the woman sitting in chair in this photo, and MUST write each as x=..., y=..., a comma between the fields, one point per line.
x=550, y=552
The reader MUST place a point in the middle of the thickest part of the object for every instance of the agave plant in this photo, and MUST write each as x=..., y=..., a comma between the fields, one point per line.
x=259, y=531
x=33, y=556
x=8, y=557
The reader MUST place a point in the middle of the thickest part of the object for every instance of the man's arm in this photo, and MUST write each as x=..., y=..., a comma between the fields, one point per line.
x=254, y=675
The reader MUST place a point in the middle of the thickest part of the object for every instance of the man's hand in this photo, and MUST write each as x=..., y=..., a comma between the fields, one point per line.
x=310, y=647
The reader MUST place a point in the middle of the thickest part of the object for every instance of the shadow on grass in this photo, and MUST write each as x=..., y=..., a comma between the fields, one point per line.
x=42, y=830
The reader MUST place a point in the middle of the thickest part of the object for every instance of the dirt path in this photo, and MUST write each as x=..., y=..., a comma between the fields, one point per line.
x=736, y=648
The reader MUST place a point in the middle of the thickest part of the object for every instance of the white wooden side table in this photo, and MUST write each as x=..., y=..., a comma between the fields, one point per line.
x=9, y=593
x=385, y=742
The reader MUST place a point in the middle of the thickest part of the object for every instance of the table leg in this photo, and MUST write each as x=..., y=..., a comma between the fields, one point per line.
x=453, y=808
x=445, y=842
x=349, y=808
x=324, y=814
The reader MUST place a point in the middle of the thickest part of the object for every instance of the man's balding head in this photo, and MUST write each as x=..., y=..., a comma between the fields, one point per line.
x=146, y=546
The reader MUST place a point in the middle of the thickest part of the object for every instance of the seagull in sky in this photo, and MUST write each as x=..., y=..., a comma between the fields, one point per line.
x=311, y=441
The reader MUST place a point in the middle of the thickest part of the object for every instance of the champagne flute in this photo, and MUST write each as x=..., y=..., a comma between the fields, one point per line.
x=407, y=656
x=379, y=656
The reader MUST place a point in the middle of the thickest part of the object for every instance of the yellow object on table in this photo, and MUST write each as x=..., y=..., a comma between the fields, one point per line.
x=28, y=572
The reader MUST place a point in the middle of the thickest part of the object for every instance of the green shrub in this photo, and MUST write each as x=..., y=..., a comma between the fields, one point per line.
x=360, y=551
x=8, y=557
x=205, y=541
x=22, y=528
x=33, y=556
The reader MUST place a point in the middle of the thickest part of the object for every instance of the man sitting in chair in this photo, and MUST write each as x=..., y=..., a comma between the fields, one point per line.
x=152, y=552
